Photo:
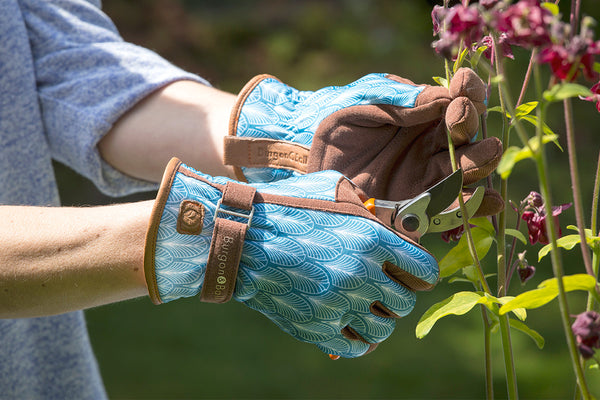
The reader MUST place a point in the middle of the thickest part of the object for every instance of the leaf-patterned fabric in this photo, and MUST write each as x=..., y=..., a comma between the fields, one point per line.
x=311, y=272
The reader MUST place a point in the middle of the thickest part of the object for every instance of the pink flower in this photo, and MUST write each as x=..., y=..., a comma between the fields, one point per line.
x=504, y=46
x=526, y=24
x=535, y=217
x=461, y=24
x=453, y=234
x=595, y=97
x=567, y=60
x=586, y=329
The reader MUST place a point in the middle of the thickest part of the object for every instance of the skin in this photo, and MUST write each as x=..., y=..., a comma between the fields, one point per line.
x=60, y=259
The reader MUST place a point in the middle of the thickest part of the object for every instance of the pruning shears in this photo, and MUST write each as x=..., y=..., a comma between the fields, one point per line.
x=429, y=211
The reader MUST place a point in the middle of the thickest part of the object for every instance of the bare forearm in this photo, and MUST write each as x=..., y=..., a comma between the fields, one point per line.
x=185, y=119
x=55, y=260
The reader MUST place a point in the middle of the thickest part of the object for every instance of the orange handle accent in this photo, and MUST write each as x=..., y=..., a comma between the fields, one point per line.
x=370, y=205
x=333, y=357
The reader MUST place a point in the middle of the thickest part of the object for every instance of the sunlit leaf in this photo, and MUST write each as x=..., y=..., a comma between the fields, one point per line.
x=553, y=8
x=521, y=313
x=458, y=304
x=515, y=233
x=548, y=290
x=477, y=56
x=459, y=256
x=533, y=120
x=441, y=81
x=514, y=154
x=510, y=158
x=568, y=242
x=495, y=109
x=484, y=223
x=566, y=90
x=520, y=326
x=460, y=59
x=525, y=108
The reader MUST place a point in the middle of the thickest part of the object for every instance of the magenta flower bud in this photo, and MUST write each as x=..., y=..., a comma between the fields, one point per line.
x=534, y=199
x=586, y=329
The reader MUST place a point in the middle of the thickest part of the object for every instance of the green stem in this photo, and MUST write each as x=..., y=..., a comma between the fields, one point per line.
x=509, y=365
x=576, y=186
x=594, y=222
x=594, y=229
x=541, y=165
x=487, y=344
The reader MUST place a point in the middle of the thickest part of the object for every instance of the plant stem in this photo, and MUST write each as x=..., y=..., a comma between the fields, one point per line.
x=487, y=345
x=594, y=221
x=575, y=185
x=509, y=365
x=594, y=229
x=541, y=165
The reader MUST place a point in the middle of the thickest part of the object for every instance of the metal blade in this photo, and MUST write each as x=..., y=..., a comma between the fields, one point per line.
x=453, y=218
x=445, y=192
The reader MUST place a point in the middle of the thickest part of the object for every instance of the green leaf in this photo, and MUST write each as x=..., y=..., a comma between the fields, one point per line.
x=441, y=81
x=495, y=109
x=510, y=158
x=477, y=56
x=533, y=120
x=525, y=108
x=459, y=256
x=597, y=66
x=460, y=59
x=566, y=90
x=553, y=8
x=521, y=313
x=548, y=290
x=569, y=241
x=520, y=326
x=458, y=304
x=566, y=242
x=514, y=154
x=515, y=233
x=484, y=223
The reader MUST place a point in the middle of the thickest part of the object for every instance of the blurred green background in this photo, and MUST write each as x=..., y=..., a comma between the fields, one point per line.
x=189, y=350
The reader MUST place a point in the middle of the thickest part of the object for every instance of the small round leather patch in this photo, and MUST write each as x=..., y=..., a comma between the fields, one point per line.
x=191, y=217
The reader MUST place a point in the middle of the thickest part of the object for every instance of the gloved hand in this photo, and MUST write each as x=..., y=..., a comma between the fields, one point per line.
x=303, y=251
x=383, y=132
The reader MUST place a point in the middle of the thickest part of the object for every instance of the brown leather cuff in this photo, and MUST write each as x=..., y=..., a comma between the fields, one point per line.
x=227, y=243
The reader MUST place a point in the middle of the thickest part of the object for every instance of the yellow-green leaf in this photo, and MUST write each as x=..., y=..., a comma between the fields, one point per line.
x=514, y=154
x=553, y=8
x=441, y=81
x=458, y=304
x=525, y=108
x=459, y=256
x=515, y=233
x=548, y=290
x=566, y=90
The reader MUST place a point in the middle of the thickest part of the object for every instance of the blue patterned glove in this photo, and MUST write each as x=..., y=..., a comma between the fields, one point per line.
x=383, y=132
x=303, y=251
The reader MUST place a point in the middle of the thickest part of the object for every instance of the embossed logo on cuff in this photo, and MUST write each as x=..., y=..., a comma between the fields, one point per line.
x=191, y=217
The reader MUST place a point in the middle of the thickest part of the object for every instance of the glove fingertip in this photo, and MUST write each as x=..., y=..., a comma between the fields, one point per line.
x=462, y=120
x=467, y=83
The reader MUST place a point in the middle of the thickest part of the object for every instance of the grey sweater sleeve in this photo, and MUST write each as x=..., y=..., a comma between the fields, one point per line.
x=87, y=77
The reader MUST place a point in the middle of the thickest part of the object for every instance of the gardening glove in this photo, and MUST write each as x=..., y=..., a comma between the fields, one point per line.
x=385, y=133
x=303, y=251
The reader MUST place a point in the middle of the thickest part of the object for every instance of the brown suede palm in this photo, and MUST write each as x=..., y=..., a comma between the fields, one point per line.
x=395, y=153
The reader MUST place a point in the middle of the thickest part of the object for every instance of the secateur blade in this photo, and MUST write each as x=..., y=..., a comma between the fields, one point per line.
x=428, y=211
